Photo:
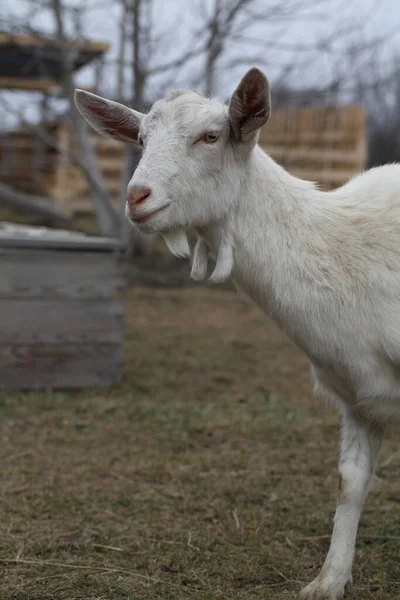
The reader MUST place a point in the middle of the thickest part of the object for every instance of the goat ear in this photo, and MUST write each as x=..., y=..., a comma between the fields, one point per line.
x=107, y=117
x=250, y=105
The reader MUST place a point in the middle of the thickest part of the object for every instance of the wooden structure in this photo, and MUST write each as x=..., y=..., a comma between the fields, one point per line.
x=322, y=144
x=70, y=188
x=34, y=63
x=61, y=311
x=28, y=164
x=55, y=175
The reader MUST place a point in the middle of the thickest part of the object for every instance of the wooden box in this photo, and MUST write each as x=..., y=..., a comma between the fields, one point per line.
x=61, y=309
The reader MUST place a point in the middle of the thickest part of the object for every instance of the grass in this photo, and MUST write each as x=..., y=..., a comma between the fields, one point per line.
x=208, y=474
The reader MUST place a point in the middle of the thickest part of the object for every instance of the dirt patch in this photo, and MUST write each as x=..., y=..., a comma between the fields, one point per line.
x=209, y=473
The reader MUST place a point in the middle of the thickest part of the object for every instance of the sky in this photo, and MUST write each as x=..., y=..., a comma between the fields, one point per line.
x=269, y=44
x=362, y=20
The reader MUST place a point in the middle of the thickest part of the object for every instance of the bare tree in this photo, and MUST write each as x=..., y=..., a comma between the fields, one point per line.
x=219, y=27
x=233, y=36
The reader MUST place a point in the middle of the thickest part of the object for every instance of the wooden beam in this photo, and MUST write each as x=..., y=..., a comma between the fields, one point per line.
x=306, y=137
x=34, y=85
x=65, y=275
x=60, y=320
x=35, y=40
x=322, y=155
x=18, y=200
x=60, y=365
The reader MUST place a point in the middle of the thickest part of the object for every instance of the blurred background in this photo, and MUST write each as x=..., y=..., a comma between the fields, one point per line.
x=159, y=438
x=337, y=60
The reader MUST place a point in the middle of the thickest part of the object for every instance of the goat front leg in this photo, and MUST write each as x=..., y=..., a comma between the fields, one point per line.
x=360, y=444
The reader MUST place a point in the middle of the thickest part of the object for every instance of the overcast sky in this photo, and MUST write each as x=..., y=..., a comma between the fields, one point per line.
x=362, y=20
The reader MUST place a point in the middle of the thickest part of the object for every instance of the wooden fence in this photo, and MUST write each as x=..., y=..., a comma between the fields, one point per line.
x=322, y=144
x=29, y=163
x=70, y=188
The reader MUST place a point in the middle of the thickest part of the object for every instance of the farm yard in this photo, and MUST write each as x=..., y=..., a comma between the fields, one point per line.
x=209, y=473
x=159, y=437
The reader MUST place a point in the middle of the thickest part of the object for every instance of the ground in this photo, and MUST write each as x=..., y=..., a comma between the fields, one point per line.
x=208, y=474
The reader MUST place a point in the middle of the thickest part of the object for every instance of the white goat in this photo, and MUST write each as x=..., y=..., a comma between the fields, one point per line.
x=324, y=265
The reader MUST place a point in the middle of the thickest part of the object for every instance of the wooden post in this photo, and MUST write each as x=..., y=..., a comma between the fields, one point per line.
x=62, y=166
x=40, y=146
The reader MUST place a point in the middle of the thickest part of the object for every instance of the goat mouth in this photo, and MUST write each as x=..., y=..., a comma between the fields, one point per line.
x=149, y=216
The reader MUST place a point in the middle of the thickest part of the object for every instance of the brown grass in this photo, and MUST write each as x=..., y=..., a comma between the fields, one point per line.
x=209, y=474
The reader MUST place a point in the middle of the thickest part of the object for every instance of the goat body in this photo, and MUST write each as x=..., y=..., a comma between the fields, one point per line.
x=324, y=265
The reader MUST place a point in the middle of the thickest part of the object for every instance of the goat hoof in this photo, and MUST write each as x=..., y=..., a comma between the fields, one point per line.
x=323, y=589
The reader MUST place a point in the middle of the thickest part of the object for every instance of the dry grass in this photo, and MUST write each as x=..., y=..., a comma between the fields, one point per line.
x=209, y=474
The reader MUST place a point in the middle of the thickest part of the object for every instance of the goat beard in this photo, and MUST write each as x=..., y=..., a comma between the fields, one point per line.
x=178, y=244
x=223, y=265
x=224, y=261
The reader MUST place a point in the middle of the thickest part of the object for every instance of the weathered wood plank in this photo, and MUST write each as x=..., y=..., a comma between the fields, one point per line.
x=48, y=321
x=36, y=40
x=33, y=85
x=322, y=155
x=60, y=365
x=56, y=274
x=305, y=137
x=54, y=240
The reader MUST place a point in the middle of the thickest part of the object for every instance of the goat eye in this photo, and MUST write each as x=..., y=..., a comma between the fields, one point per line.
x=140, y=140
x=210, y=138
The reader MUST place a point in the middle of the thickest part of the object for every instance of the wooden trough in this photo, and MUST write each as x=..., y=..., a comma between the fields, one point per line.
x=61, y=309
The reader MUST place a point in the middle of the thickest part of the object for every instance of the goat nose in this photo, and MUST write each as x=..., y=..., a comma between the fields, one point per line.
x=138, y=195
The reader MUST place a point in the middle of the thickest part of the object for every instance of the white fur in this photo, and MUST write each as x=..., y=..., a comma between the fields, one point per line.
x=224, y=261
x=324, y=265
x=177, y=242
x=200, y=260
